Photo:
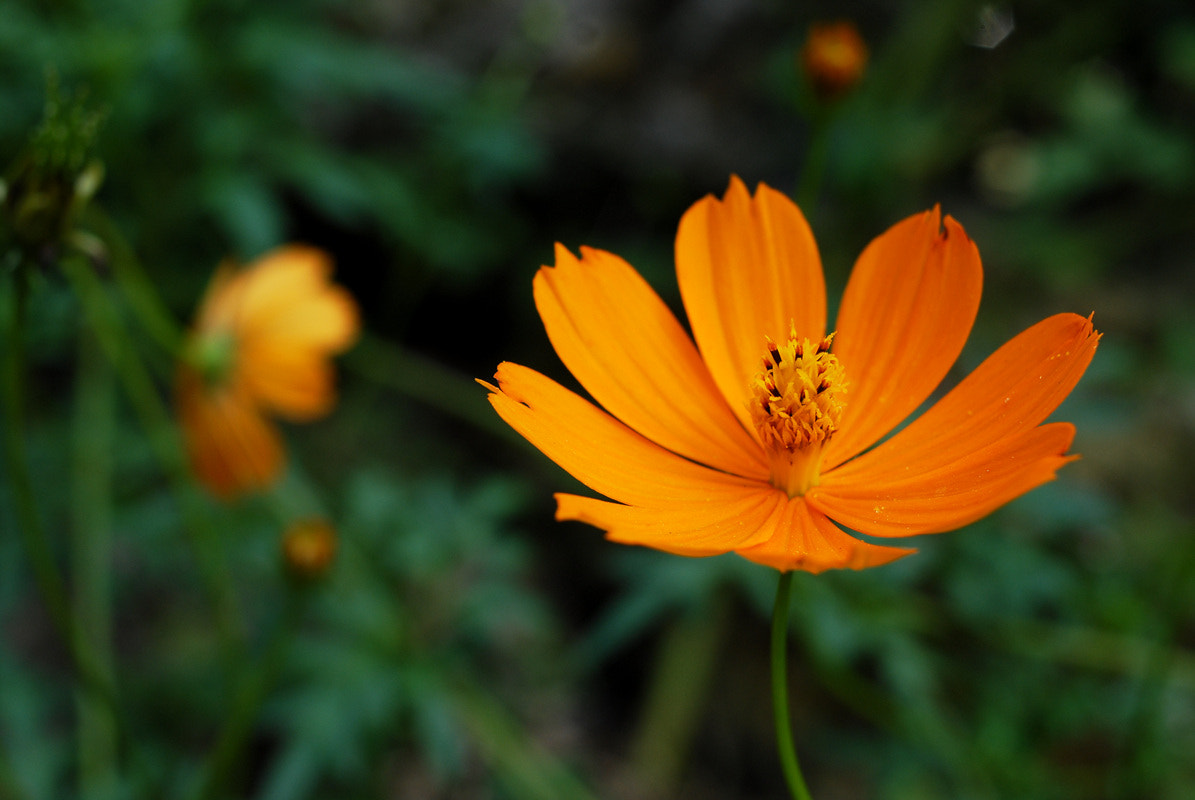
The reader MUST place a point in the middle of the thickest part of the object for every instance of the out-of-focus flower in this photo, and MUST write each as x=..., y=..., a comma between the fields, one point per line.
x=834, y=57
x=769, y=431
x=261, y=344
x=308, y=548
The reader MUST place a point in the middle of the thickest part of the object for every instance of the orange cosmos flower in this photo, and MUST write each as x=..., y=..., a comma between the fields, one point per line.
x=761, y=438
x=261, y=344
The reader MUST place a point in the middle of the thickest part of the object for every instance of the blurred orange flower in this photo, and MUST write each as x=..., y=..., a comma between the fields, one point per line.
x=834, y=57
x=261, y=343
x=767, y=432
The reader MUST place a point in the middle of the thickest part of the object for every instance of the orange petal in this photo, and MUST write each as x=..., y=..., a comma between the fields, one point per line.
x=600, y=451
x=296, y=384
x=280, y=278
x=694, y=529
x=952, y=494
x=324, y=320
x=287, y=319
x=624, y=345
x=287, y=296
x=908, y=308
x=231, y=447
x=1013, y=390
x=748, y=268
x=801, y=538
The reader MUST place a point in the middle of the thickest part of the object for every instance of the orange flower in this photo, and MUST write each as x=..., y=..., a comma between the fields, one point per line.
x=261, y=343
x=763, y=435
x=834, y=57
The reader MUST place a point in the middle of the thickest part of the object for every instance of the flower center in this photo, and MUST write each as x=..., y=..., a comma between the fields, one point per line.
x=796, y=405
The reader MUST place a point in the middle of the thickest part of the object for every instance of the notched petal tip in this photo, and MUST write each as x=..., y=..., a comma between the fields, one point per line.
x=736, y=186
x=908, y=308
x=953, y=229
x=506, y=383
x=561, y=254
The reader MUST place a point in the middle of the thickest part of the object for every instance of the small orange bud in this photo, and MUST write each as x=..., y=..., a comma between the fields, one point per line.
x=834, y=57
x=308, y=548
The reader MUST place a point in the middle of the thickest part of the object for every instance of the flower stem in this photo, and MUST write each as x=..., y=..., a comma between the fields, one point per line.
x=46, y=572
x=138, y=290
x=784, y=733
x=91, y=557
x=810, y=183
x=426, y=380
x=677, y=692
x=163, y=439
x=250, y=697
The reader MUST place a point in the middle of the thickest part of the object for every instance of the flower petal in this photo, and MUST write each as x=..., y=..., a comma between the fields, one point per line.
x=698, y=529
x=951, y=495
x=801, y=538
x=984, y=430
x=288, y=320
x=748, y=268
x=602, y=452
x=908, y=308
x=1014, y=389
x=624, y=345
x=295, y=384
x=231, y=447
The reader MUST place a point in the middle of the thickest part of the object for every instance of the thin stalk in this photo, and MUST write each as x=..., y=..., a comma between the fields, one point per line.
x=91, y=549
x=163, y=438
x=678, y=690
x=425, y=380
x=518, y=763
x=45, y=569
x=814, y=170
x=250, y=698
x=784, y=733
x=46, y=573
x=143, y=298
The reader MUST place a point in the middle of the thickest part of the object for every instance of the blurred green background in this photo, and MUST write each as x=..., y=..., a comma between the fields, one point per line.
x=465, y=645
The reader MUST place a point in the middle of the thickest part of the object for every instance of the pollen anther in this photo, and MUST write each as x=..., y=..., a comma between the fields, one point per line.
x=796, y=406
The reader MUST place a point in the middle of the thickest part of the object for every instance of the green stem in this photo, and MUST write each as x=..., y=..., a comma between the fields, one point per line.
x=518, y=763
x=91, y=548
x=784, y=733
x=249, y=700
x=46, y=573
x=144, y=300
x=45, y=570
x=814, y=169
x=425, y=380
x=163, y=438
x=677, y=693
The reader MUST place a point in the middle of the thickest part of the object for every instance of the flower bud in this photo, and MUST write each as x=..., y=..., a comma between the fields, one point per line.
x=53, y=178
x=308, y=548
x=833, y=58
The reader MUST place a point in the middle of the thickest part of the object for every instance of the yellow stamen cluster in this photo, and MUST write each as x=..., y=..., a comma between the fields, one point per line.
x=796, y=405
